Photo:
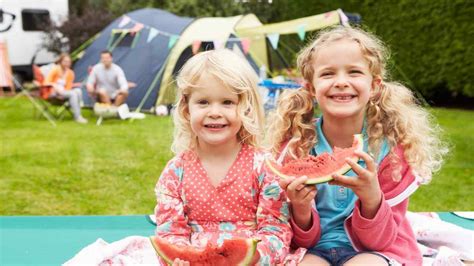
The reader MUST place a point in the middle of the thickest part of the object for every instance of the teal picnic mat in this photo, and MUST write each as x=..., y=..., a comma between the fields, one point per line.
x=52, y=240
x=452, y=218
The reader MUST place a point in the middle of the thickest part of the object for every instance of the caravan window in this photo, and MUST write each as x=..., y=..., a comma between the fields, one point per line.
x=35, y=19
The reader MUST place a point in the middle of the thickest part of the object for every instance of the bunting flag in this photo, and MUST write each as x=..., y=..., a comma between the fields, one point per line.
x=172, y=41
x=196, y=46
x=151, y=34
x=343, y=17
x=125, y=20
x=273, y=38
x=138, y=27
x=301, y=31
x=217, y=44
x=245, y=44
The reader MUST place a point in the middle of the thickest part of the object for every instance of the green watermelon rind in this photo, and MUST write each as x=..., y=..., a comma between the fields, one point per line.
x=358, y=138
x=247, y=260
x=252, y=243
x=158, y=251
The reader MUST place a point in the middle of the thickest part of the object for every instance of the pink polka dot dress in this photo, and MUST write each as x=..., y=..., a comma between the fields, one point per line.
x=246, y=203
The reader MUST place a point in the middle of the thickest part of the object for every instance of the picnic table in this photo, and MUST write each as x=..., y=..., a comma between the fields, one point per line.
x=52, y=240
x=274, y=89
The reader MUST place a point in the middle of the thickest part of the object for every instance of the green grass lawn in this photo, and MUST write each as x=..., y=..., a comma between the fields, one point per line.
x=75, y=169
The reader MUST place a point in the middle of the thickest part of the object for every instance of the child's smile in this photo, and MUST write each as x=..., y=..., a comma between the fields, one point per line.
x=342, y=97
x=342, y=80
x=213, y=112
x=215, y=127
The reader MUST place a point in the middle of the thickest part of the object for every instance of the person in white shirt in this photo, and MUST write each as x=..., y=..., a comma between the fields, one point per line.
x=107, y=82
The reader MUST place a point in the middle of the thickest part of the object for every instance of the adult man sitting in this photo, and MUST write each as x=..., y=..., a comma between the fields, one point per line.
x=107, y=82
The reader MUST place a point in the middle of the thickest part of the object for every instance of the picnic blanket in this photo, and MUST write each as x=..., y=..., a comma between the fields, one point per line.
x=442, y=243
x=133, y=250
x=54, y=240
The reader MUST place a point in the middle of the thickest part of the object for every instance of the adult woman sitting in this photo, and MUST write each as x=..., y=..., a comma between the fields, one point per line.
x=61, y=78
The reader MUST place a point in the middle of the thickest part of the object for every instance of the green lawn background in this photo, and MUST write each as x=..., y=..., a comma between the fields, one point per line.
x=112, y=169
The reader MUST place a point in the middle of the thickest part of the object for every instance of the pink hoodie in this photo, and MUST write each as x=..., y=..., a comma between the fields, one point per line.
x=389, y=232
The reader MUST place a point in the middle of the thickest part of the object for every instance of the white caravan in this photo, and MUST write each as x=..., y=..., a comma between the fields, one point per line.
x=22, y=25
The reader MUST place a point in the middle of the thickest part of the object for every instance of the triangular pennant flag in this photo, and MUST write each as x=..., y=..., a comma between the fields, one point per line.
x=245, y=44
x=196, y=46
x=301, y=31
x=172, y=41
x=344, y=19
x=152, y=34
x=138, y=27
x=274, y=39
x=125, y=20
x=217, y=44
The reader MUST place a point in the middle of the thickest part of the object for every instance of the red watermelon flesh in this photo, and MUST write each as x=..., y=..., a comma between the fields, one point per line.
x=236, y=251
x=319, y=168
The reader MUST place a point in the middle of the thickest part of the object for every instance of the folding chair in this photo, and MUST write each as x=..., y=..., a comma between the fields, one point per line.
x=56, y=106
x=34, y=100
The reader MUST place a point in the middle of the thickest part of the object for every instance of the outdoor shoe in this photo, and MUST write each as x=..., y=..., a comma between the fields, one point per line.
x=81, y=120
x=123, y=111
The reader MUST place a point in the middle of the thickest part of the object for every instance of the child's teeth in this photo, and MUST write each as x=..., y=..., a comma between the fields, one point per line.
x=343, y=97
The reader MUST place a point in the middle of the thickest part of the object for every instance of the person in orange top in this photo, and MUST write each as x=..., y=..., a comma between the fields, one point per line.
x=61, y=78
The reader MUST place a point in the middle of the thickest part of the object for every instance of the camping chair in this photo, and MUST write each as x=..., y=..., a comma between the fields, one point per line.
x=35, y=101
x=56, y=106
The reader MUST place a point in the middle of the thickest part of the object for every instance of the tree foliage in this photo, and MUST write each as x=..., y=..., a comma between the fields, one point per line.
x=77, y=29
x=431, y=41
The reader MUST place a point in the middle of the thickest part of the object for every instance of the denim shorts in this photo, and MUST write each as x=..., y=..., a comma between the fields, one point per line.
x=339, y=255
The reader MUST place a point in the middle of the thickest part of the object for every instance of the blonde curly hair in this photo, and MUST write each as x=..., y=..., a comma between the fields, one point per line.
x=236, y=74
x=392, y=112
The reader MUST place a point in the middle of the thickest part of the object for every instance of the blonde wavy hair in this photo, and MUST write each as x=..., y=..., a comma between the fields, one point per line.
x=392, y=112
x=236, y=74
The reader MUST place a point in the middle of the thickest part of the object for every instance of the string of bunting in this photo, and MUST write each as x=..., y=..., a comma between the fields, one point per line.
x=173, y=38
x=153, y=32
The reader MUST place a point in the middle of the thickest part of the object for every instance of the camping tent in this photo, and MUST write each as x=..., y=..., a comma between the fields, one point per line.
x=210, y=32
x=151, y=45
x=235, y=30
x=139, y=41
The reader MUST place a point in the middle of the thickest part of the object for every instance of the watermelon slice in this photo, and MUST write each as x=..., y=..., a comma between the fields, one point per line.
x=236, y=251
x=319, y=169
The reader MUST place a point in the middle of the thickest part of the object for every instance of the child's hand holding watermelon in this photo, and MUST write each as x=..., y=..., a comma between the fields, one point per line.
x=301, y=196
x=366, y=185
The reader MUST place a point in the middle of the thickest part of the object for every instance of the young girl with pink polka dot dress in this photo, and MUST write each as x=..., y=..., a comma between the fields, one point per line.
x=216, y=187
